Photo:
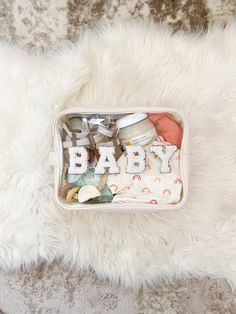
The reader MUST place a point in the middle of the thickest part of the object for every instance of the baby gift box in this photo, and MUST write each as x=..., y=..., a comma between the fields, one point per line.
x=125, y=184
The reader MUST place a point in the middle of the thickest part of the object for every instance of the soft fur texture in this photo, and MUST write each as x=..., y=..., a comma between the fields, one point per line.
x=128, y=65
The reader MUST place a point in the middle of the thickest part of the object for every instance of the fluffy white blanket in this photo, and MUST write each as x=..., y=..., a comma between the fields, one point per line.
x=132, y=64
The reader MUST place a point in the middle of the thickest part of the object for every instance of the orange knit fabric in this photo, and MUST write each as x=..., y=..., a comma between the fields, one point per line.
x=167, y=127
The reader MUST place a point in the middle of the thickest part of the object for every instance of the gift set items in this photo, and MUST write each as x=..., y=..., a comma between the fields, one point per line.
x=115, y=158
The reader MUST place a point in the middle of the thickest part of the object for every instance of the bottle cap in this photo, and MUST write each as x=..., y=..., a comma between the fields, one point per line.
x=130, y=120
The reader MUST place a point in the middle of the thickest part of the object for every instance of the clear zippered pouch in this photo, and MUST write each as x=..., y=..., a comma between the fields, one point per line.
x=133, y=159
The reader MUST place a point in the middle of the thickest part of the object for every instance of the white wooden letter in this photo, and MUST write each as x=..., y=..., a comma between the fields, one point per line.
x=106, y=160
x=164, y=152
x=78, y=159
x=136, y=159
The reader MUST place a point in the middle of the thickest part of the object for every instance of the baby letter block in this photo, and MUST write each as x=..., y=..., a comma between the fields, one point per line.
x=78, y=157
x=78, y=160
x=136, y=159
x=107, y=160
x=164, y=153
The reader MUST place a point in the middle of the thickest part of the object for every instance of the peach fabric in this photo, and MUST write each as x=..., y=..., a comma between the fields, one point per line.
x=167, y=128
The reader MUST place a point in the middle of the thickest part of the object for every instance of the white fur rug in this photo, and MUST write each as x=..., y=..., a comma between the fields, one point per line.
x=127, y=65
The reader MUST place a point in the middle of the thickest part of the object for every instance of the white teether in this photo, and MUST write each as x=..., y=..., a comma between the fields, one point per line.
x=87, y=192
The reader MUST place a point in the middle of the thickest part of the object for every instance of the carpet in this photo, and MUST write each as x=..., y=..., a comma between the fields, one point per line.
x=56, y=289
x=44, y=24
x=37, y=25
